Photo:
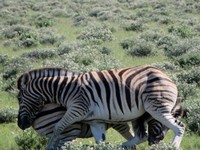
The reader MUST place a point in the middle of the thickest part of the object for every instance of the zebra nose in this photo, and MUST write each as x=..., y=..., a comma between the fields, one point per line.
x=24, y=122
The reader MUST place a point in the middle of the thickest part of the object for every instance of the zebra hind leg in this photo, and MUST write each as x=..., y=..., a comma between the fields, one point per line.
x=170, y=122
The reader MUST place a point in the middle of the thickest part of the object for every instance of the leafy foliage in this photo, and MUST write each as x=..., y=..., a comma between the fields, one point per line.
x=8, y=115
x=96, y=34
x=30, y=140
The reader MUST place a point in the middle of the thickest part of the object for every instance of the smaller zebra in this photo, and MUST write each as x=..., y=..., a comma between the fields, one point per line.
x=51, y=113
x=46, y=120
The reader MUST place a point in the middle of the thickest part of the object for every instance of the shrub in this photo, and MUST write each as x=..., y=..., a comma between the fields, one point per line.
x=101, y=146
x=182, y=31
x=162, y=146
x=81, y=19
x=105, y=50
x=8, y=115
x=43, y=21
x=96, y=34
x=187, y=91
x=30, y=140
x=167, y=66
x=191, y=76
x=59, y=13
x=138, y=47
x=14, y=31
x=28, y=39
x=47, y=36
x=64, y=49
x=133, y=26
x=83, y=58
x=40, y=54
x=193, y=116
x=11, y=69
x=20, y=36
x=3, y=59
x=189, y=59
x=151, y=36
x=167, y=41
x=178, y=49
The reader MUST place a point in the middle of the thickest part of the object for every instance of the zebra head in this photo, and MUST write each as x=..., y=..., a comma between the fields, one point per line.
x=30, y=103
x=157, y=131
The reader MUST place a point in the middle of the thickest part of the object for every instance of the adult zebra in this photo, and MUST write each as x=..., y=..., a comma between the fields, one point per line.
x=51, y=113
x=111, y=96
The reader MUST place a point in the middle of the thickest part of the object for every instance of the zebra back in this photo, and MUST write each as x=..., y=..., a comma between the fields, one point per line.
x=43, y=72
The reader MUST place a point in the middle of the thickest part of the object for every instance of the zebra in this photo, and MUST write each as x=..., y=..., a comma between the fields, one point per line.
x=99, y=97
x=44, y=127
x=51, y=113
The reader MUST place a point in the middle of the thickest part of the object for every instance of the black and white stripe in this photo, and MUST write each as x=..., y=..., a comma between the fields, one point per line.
x=99, y=97
x=46, y=120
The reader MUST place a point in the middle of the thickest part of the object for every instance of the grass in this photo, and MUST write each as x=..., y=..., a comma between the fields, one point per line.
x=7, y=138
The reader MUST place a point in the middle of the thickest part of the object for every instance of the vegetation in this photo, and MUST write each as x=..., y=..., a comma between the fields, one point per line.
x=86, y=35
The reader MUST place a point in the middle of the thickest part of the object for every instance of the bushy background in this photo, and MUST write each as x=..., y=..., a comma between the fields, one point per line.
x=85, y=35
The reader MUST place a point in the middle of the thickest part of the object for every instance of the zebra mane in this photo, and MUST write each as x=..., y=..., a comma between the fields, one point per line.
x=43, y=72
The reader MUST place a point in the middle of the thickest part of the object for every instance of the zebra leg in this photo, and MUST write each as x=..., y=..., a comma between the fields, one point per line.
x=165, y=117
x=140, y=133
x=68, y=119
x=98, y=131
x=123, y=129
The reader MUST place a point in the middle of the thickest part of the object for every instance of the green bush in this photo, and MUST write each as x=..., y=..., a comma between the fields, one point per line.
x=11, y=70
x=43, y=21
x=167, y=66
x=3, y=59
x=40, y=54
x=193, y=116
x=189, y=59
x=96, y=34
x=64, y=49
x=138, y=47
x=134, y=26
x=8, y=115
x=187, y=91
x=178, y=49
x=47, y=36
x=30, y=140
x=20, y=36
x=83, y=58
x=182, y=31
x=14, y=31
x=101, y=146
x=162, y=146
x=28, y=39
x=190, y=76
x=81, y=19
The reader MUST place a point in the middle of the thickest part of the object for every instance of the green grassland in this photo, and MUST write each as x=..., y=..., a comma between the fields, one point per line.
x=86, y=35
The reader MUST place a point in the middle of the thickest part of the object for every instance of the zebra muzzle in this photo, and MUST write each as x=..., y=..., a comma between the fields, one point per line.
x=24, y=122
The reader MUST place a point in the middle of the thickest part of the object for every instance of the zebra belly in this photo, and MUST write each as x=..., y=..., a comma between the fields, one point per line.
x=114, y=116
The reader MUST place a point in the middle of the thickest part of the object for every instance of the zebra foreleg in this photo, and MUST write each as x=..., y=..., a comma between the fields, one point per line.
x=139, y=127
x=98, y=131
x=124, y=130
x=53, y=143
x=68, y=119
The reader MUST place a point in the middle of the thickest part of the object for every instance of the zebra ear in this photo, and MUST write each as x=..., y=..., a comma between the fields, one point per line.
x=22, y=81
